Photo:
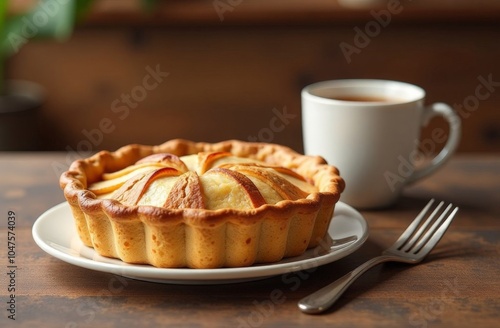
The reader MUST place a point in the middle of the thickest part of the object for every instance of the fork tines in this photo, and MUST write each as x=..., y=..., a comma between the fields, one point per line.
x=415, y=241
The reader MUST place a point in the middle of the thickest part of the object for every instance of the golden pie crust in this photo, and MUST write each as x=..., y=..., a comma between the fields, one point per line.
x=184, y=231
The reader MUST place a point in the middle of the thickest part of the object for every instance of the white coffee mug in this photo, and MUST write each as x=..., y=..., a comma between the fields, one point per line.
x=370, y=130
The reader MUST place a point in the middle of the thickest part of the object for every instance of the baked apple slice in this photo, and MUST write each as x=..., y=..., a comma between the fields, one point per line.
x=113, y=181
x=131, y=191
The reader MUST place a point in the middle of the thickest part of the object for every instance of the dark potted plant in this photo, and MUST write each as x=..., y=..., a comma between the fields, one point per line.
x=21, y=22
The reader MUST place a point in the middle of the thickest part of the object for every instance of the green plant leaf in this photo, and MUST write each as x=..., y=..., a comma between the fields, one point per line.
x=149, y=5
x=3, y=16
x=11, y=36
x=52, y=19
x=48, y=19
x=82, y=7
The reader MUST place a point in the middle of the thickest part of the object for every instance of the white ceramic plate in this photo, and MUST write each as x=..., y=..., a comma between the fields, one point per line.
x=54, y=231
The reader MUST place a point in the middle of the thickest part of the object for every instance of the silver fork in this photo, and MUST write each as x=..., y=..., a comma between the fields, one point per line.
x=411, y=247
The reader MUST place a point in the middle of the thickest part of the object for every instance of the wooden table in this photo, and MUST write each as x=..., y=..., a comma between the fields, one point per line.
x=457, y=286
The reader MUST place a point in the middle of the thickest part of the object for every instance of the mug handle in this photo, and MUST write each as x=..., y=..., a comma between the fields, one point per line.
x=440, y=109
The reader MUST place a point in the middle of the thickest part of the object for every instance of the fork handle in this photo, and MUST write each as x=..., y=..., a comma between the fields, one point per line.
x=322, y=299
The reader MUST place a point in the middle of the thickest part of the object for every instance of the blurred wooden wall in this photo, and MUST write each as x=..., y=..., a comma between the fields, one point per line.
x=228, y=80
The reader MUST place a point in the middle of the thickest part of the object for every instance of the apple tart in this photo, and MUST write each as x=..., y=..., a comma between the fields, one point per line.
x=201, y=205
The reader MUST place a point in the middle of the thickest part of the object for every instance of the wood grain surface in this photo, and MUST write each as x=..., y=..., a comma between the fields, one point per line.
x=456, y=286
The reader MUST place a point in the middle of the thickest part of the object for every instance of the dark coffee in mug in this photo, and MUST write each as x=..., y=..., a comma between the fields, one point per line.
x=370, y=130
x=366, y=99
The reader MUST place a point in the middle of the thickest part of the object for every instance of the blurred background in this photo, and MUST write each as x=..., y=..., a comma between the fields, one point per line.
x=89, y=75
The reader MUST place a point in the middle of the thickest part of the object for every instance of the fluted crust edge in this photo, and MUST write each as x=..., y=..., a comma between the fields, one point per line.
x=199, y=238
